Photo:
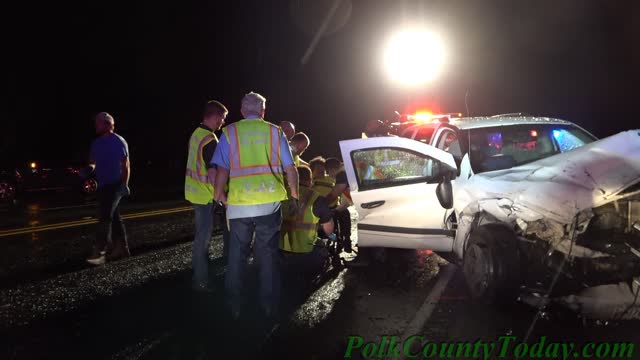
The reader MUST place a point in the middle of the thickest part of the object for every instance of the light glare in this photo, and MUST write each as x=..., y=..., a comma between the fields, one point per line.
x=414, y=57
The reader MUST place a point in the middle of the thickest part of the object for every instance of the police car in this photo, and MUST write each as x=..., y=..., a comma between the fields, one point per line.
x=510, y=196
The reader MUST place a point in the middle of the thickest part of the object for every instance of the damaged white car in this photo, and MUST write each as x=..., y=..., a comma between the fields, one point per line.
x=535, y=208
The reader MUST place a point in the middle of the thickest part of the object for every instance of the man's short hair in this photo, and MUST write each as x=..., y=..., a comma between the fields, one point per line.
x=253, y=104
x=214, y=107
x=301, y=137
x=333, y=164
x=304, y=173
x=105, y=116
x=316, y=161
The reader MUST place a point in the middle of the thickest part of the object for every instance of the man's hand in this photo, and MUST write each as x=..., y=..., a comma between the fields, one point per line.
x=292, y=206
x=124, y=190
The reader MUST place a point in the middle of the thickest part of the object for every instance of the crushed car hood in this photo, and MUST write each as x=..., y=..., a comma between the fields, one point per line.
x=562, y=185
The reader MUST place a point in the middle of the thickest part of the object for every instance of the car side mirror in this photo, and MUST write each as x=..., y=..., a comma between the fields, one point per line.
x=444, y=192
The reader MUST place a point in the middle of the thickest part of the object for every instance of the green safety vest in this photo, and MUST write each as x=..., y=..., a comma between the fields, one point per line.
x=324, y=186
x=197, y=188
x=299, y=231
x=256, y=173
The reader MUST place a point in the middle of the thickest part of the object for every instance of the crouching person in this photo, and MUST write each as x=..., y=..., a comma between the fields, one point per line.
x=300, y=255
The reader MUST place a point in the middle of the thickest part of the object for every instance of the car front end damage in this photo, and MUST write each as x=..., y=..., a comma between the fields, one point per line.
x=575, y=220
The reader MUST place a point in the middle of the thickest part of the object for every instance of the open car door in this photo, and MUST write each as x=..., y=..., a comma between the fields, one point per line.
x=393, y=184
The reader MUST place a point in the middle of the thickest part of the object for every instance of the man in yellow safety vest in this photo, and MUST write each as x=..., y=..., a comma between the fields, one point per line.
x=299, y=230
x=299, y=143
x=253, y=156
x=198, y=189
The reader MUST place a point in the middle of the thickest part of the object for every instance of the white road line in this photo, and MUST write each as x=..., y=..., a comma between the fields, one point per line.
x=424, y=313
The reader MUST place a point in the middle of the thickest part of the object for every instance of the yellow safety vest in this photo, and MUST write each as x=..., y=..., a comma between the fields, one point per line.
x=324, y=186
x=255, y=174
x=197, y=188
x=299, y=232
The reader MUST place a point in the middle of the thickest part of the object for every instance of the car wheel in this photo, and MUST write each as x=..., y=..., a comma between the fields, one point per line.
x=491, y=265
x=7, y=191
x=89, y=186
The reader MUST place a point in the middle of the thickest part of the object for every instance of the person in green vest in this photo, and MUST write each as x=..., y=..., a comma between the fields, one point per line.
x=299, y=143
x=299, y=230
x=253, y=156
x=199, y=189
x=322, y=182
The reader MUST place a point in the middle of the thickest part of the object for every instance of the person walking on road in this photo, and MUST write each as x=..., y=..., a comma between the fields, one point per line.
x=109, y=159
x=253, y=156
x=199, y=187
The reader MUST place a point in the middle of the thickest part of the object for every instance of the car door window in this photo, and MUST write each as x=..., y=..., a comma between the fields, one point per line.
x=384, y=167
x=449, y=142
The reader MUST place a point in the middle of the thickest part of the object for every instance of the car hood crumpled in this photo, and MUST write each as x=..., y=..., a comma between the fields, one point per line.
x=562, y=185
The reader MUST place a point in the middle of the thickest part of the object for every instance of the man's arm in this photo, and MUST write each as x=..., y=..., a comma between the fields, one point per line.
x=321, y=209
x=222, y=176
x=126, y=170
x=292, y=180
x=221, y=161
x=207, y=155
x=337, y=190
x=289, y=167
x=211, y=174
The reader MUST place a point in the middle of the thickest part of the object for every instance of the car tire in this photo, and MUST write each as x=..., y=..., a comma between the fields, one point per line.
x=491, y=265
x=89, y=186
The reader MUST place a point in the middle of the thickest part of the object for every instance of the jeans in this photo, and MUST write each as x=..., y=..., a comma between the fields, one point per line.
x=267, y=238
x=204, y=216
x=343, y=223
x=304, y=265
x=109, y=221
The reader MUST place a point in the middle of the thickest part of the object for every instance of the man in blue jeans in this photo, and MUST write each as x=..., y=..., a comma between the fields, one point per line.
x=110, y=160
x=253, y=156
x=198, y=190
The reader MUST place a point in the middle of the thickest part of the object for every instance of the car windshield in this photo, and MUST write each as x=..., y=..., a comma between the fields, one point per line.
x=503, y=147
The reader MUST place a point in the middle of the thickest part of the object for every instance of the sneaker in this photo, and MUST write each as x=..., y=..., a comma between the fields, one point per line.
x=347, y=247
x=97, y=260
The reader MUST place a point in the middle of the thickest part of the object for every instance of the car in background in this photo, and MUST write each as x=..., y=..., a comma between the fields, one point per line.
x=34, y=177
x=534, y=208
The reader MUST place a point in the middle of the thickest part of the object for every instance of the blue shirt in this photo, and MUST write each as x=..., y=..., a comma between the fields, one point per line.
x=221, y=158
x=107, y=152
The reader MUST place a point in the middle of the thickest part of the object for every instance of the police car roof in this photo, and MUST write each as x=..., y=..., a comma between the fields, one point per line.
x=504, y=120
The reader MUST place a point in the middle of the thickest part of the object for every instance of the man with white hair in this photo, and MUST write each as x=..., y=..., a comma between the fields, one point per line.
x=110, y=159
x=253, y=157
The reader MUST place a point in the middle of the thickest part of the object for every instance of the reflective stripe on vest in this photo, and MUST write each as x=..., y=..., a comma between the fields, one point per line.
x=255, y=174
x=299, y=231
x=197, y=188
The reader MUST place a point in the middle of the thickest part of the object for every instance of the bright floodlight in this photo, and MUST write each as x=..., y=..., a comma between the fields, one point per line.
x=414, y=57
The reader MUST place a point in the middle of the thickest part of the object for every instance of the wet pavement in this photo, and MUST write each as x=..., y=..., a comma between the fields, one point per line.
x=142, y=307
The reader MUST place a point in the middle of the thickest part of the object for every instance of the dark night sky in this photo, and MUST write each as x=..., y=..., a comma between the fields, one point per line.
x=153, y=65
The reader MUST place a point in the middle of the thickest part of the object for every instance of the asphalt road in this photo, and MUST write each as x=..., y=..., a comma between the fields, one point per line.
x=142, y=307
